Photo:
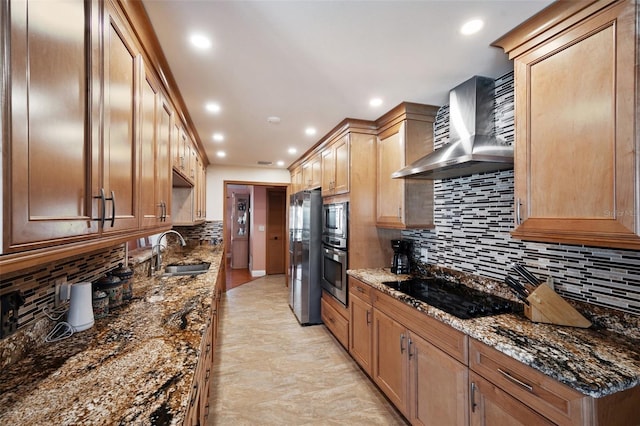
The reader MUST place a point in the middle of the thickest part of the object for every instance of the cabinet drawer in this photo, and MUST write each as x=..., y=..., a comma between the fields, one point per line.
x=547, y=396
x=360, y=290
x=336, y=323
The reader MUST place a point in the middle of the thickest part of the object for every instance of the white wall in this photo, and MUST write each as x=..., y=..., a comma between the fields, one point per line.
x=216, y=175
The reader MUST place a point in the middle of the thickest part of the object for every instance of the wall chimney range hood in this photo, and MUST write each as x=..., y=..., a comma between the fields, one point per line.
x=473, y=147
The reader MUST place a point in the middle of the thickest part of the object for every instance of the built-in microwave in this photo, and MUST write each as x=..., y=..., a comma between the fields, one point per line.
x=334, y=224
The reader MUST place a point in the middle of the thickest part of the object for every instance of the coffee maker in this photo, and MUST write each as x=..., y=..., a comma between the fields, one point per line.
x=401, y=250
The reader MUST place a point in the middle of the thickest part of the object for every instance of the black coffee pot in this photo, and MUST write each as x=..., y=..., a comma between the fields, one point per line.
x=400, y=263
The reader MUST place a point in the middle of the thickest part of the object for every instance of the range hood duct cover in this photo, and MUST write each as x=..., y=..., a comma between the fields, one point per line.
x=473, y=147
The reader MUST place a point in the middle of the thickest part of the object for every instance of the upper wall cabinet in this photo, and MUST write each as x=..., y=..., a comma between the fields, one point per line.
x=335, y=167
x=155, y=124
x=122, y=64
x=405, y=135
x=576, y=171
x=312, y=172
x=52, y=106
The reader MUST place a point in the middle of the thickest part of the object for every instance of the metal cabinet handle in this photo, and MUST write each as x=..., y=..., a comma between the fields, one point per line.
x=102, y=207
x=368, y=317
x=399, y=212
x=473, y=397
x=518, y=211
x=194, y=394
x=360, y=289
x=402, y=343
x=113, y=208
x=409, y=349
x=512, y=379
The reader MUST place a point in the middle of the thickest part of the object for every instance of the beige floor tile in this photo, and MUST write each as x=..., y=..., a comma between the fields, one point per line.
x=271, y=371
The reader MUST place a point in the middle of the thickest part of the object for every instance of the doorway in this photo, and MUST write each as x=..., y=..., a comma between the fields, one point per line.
x=267, y=238
x=276, y=230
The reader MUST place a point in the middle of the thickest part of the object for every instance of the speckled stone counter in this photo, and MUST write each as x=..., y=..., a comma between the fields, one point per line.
x=133, y=367
x=598, y=361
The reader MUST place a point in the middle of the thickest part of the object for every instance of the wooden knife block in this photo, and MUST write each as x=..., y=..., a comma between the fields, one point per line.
x=547, y=306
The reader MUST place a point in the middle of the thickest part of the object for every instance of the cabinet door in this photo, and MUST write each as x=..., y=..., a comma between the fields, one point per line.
x=390, y=340
x=390, y=211
x=148, y=118
x=491, y=406
x=328, y=171
x=120, y=156
x=438, y=386
x=50, y=168
x=361, y=333
x=163, y=161
x=575, y=165
x=341, y=179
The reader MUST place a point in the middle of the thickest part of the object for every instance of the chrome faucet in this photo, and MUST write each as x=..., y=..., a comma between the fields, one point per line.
x=156, y=264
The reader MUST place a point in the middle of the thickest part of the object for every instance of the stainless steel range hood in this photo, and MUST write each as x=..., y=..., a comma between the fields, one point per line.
x=473, y=147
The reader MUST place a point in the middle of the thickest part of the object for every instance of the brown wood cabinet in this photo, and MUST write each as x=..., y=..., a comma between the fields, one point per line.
x=336, y=318
x=122, y=65
x=198, y=404
x=405, y=134
x=335, y=167
x=52, y=102
x=312, y=172
x=576, y=129
x=360, y=324
x=490, y=405
x=427, y=384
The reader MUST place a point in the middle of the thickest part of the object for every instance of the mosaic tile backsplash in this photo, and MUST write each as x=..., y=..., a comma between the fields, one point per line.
x=38, y=288
x=474, y=215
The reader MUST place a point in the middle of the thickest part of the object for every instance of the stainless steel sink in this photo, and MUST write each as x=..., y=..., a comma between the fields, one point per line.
x=193, y=269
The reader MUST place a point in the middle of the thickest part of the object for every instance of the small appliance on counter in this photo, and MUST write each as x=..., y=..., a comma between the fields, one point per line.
x=111, y=285
x=80, y=315
x=126, y=278
x=401, y=250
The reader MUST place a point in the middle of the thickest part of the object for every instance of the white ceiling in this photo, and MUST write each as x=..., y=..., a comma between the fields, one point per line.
x=314, y=63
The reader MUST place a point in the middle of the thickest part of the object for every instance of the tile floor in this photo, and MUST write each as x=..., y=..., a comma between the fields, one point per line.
x=271, y=371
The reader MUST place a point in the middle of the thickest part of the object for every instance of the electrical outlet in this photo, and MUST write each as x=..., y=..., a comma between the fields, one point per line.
x=61, y=290
x=424, y=254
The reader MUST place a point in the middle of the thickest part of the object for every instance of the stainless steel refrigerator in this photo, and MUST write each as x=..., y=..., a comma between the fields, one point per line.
x=305, y=255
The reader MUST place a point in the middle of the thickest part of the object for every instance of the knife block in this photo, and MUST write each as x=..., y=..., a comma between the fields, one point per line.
x=547, y=306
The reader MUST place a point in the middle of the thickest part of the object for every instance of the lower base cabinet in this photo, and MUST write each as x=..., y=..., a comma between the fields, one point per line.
x=435, y=375
x=491, y=405
x=198, y=406
x=428, y=386
x=335, y=318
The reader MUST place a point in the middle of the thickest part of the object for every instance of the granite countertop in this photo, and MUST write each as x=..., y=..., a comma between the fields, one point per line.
x=134, y=366
x=597, y=361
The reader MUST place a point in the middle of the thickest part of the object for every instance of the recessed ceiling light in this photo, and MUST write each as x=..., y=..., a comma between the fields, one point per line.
x=310, y=131
x=200, y=41
x=375, y=102
x=212, y=107
x=221, y=154
x=280, y=163
x=471, y=27
x=292, y=150
x=273, y=119
x=218, y=137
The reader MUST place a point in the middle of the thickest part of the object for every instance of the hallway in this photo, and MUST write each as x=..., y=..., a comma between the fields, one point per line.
x=269, y=370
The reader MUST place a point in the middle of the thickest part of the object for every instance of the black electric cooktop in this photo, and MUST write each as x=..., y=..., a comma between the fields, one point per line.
x=454, y=298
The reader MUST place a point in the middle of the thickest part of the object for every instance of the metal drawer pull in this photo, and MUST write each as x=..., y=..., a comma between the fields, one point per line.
x=360, y=289
x=516, y=381
x=473, y=397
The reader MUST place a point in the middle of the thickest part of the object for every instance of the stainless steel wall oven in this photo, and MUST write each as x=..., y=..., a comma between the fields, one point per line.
x=334, y=250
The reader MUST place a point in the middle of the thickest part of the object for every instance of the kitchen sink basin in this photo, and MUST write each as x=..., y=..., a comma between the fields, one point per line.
x=192, y=269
